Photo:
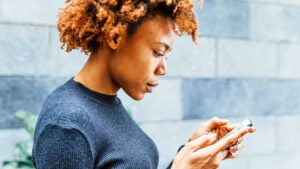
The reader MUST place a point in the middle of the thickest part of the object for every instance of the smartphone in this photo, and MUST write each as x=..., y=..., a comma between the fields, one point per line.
x=244, y=123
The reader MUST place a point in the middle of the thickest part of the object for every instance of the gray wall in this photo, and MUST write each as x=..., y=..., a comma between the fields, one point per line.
x=246, y=65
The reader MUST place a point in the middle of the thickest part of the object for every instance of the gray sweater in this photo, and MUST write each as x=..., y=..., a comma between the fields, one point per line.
x=81, y=129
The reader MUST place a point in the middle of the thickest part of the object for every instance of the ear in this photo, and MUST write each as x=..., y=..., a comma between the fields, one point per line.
x=114, y=41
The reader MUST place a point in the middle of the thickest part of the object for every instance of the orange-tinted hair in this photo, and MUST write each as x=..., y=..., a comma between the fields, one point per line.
x=86, y=24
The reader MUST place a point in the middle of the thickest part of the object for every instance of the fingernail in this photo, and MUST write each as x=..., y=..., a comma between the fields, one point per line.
x=250, y=129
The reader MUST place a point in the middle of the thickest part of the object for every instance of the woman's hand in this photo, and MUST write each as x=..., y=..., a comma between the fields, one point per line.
x=215, y=125
x=205, y=150
x=220, y=127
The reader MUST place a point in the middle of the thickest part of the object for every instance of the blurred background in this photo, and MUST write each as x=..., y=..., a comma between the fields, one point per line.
x=247, y=65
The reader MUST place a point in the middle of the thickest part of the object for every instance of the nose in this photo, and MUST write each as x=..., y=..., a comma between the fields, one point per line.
x=162, y=68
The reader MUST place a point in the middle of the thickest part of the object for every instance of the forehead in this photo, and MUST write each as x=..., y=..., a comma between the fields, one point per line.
x=156, y=29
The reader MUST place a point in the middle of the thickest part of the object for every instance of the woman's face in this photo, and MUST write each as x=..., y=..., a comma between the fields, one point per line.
x=137, y=63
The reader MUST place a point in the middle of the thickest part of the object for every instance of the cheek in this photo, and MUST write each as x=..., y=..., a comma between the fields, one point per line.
x=145, y=65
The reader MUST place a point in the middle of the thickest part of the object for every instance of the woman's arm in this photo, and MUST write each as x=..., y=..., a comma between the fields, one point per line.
x=62, y=148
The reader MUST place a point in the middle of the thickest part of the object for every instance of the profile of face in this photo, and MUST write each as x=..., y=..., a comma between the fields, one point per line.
x=140, y=59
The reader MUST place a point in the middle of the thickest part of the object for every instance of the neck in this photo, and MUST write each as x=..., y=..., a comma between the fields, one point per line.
x=94, y=74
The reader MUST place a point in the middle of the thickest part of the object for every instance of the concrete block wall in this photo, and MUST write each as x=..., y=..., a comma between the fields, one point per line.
x=247, y=65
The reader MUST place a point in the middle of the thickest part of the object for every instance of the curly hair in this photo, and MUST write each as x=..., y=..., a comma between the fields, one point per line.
x=86, y=24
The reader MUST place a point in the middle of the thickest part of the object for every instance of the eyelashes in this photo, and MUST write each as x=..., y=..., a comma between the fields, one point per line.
x=157, y=54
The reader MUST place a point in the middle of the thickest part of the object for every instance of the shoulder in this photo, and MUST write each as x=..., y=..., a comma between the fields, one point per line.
x=65, y=107
x=67, y=115
x=62, y=95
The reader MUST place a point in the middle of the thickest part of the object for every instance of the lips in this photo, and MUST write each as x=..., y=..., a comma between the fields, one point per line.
x=150, y=87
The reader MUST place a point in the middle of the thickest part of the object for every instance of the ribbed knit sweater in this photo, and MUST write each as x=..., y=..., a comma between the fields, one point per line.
x=81, y=129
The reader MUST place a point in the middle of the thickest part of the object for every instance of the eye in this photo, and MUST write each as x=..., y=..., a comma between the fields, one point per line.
x=157, y=54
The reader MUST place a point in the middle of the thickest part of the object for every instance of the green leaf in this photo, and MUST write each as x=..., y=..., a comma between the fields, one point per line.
x=18, y=164
x=28, y=120
x=10, y=165
x=23, y=150
x=22, y=153
x=129, y=111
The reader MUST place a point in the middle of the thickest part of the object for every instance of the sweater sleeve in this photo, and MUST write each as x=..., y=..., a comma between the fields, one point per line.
x=171, y=163
x=62, y=148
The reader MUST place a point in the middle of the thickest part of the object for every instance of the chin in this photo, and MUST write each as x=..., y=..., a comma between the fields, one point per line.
x=136, y=96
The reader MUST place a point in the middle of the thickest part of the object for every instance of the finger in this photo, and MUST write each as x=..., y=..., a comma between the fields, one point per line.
x=251, y=130
x=201, y=142
x=231, y=127
x=225, y=154
x=222, y=155
x=227, y=142
x=231, y=155
x=226, y=129
x=207, y=127
x=235, y=148
x=214, y=123
x=240, y=140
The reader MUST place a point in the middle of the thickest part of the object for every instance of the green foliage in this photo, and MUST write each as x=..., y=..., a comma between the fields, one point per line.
x=22, y=153
x=28, y=120
x=129, y=111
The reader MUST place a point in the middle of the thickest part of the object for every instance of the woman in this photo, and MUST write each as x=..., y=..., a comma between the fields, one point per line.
x=84, y=125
